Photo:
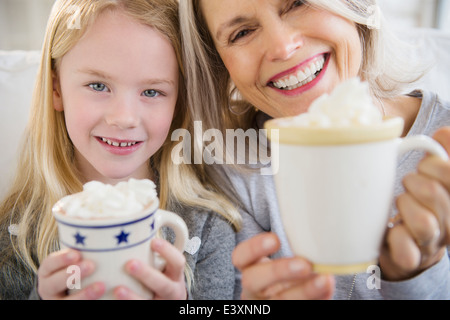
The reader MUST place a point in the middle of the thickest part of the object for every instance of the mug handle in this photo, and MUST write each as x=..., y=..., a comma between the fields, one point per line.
x=164, y=218
x=422, y=142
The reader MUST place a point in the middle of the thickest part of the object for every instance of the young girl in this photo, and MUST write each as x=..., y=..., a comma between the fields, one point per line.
x=108, y=95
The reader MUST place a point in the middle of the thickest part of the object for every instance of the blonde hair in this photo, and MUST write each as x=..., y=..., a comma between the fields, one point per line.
x=46, y=171
x=384, y=67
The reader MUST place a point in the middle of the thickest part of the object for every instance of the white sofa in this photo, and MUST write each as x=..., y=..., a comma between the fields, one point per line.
x=18, y=70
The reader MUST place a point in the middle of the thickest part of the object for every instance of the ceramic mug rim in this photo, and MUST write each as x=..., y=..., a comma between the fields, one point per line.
x=389, y=128
x=107, y=222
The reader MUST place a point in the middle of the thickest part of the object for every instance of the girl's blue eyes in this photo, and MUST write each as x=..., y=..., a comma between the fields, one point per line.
x=97, y=87
x=151, y=93
x=100, y=87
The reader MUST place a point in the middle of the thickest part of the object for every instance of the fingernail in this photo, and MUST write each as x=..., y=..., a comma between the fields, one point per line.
x=121, y=293
x=86, y=267
x=133, y=266
x=320, y=282
x=157, y=243
x=71, y=256
x=96, y=290
x=437, y=234
x=296, y=266
x=268, y=243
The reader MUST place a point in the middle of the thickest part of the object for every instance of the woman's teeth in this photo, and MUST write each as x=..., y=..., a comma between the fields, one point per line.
x=303, y=76
x=118, y=144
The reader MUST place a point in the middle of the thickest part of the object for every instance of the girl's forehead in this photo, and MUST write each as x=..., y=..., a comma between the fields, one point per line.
x=120, y=47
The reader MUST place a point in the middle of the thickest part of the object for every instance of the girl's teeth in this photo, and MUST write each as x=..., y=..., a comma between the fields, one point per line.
x=117, y=144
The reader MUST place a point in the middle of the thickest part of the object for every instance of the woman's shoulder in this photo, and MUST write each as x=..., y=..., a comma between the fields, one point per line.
x=201, y=221
x=430, y=98
x=433, y=114
x=205, y=227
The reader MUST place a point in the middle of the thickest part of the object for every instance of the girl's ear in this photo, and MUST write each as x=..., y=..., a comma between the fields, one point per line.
x=57, y=96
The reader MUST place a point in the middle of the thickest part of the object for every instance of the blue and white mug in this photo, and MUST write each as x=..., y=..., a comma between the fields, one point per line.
x=111, y=242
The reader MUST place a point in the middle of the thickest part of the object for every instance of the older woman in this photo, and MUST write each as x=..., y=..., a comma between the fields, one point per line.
x=280, y=55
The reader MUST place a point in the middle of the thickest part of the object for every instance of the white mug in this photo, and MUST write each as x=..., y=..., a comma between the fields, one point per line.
x=111, y=242
x=335, y=189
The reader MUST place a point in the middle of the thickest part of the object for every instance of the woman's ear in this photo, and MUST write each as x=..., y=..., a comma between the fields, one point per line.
x=57, y=96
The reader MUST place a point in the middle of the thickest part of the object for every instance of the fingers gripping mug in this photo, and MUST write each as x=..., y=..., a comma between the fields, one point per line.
x=335, y=188
x=112, y=225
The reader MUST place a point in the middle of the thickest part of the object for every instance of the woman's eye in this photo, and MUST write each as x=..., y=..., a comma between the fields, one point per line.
x=298, y=3
x=294, y=4
x=240, y=34
x=98, y=87
x=151, y=93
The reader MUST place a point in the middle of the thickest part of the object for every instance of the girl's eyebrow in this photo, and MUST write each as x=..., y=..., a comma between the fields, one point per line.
x=159, y=81
x=95, y=73
x=150, y=81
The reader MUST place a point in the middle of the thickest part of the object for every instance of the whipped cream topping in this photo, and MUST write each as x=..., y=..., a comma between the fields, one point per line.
x=350, y=104
x=99, y=200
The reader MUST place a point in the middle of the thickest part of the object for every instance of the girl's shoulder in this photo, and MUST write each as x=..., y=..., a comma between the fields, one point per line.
x=16, y=280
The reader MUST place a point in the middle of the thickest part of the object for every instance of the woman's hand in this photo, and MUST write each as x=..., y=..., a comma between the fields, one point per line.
x=284, y=278
x=168, y=284
x=418, y=238
x=53, y=276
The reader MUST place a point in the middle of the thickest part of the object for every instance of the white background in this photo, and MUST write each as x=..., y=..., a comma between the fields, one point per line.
x=22, y=22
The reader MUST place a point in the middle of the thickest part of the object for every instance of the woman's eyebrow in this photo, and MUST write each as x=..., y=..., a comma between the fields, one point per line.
x=229, y=24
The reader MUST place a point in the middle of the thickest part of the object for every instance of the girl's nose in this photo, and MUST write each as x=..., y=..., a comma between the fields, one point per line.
x=123, y=113
x=282, y=40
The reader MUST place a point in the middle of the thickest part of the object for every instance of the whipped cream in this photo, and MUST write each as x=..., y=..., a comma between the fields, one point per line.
x=99, y=200
x=350, y=104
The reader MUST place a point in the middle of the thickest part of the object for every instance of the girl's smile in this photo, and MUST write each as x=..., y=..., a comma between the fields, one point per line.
x=119, y=147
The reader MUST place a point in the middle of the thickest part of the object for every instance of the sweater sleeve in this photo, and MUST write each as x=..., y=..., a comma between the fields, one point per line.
x=16, y=279
x=214, y=273
x=432, y=284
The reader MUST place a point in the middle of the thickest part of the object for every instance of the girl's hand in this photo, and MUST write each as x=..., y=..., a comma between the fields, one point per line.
x=168, y=284
x=53, y=276
x=418, y=239
x=285, y=278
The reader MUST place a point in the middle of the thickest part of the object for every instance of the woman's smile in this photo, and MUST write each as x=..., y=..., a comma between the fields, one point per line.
x=302, y=77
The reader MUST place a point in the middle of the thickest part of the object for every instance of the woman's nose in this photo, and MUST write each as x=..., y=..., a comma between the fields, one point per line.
x=123, y=112
x=282, y=40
